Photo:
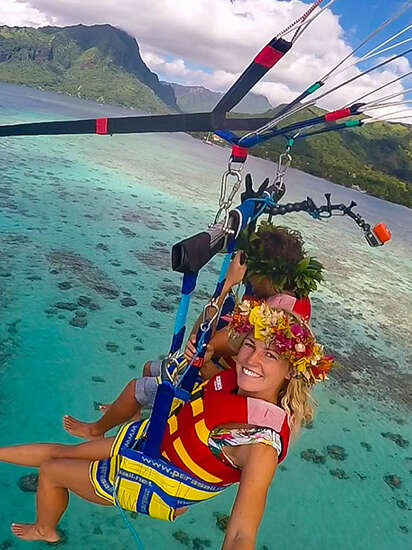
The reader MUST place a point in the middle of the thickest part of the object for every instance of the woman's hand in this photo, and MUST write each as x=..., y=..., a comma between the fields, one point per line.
x=236, y=270
x=258, y=469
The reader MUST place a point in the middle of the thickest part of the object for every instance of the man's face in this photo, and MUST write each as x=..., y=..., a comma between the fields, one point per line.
x=262, y=287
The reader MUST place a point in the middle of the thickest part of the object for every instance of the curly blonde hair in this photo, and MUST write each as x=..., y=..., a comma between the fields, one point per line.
x=296, y=400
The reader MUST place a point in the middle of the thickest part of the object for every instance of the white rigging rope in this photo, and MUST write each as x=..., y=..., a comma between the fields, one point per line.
x=369, y=37
x=378, y=89
x=268, y=126
x=368, y=56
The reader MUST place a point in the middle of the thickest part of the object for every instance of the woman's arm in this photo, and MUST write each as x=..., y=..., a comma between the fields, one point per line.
x=257, y=473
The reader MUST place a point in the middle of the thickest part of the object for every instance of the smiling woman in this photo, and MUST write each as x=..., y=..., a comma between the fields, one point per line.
x=235, y=429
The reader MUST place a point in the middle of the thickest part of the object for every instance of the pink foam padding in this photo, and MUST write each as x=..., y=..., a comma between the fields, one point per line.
x=282, y=301
x=262, y=413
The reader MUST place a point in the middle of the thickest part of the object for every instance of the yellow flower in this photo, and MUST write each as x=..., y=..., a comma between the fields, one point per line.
x=302, y=363
x=257, y=321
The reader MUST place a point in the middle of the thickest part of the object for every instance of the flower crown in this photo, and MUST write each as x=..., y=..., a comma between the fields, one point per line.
x=290, y=336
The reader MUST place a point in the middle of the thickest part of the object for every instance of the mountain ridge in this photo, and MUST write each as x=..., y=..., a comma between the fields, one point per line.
x=192, y=99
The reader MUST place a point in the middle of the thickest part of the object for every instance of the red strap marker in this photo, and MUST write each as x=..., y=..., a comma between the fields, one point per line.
x=239, y=154
x=336, y=115
x=268, y=56
x=101, y=126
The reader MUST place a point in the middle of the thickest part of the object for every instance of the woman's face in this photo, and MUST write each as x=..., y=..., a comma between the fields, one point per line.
x=260, y=369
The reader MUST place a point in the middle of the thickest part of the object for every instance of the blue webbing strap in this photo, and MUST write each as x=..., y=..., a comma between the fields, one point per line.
x=190, y=374
x=188, y=286
x=166, y=391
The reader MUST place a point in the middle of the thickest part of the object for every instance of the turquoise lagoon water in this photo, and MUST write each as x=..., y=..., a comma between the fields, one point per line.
x=95, y=217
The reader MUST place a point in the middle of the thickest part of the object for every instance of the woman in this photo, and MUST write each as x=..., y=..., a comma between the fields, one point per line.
x=235, y=429
x=275, y=271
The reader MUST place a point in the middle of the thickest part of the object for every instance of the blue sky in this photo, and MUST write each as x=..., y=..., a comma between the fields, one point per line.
x=360, y=17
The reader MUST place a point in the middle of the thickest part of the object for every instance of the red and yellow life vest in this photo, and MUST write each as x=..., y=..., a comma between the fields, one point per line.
x=185, y=442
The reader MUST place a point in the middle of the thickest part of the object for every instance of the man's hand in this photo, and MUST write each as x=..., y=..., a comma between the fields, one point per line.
x=249, y=193
x=236, y=270
x=190, y=350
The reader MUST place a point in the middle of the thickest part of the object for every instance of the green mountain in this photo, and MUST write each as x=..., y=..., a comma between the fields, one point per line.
x=198, y=99
x=98, y=62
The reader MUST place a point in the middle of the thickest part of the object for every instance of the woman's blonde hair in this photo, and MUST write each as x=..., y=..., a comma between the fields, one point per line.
x=296, y=400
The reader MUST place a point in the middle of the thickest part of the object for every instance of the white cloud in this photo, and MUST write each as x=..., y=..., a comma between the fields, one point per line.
x=14, y=13
x=209, y=42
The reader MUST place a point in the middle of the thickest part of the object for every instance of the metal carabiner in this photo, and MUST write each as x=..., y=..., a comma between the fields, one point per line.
x=230, y=165
x=171, y=359
x=226, y=202
x=212, y=304
x=283, y=166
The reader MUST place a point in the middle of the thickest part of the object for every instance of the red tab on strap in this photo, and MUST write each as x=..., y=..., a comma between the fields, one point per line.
x=101, y=126
x=336, y=115
x=239, y=154
x=268, y=56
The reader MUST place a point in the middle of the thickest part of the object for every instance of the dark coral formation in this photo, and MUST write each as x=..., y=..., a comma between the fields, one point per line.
x=393, y=481
x=84, y=270
x=336, y=452
x=396, y=438
x=145, y=217
x=156, y=257
x=339, y=474
x=28, y=483
x=112, y=346
x=312, y=455
x=222, y=520
x=128, y=302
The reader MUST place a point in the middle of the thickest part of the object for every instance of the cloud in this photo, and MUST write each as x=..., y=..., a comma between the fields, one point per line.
x=14, y=13
x=209, y=42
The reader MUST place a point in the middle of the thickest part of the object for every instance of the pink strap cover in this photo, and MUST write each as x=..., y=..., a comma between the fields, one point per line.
x=264, y=414
x=282, y=301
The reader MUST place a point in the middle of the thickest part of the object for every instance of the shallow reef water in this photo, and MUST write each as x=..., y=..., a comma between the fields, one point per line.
x=87, y=296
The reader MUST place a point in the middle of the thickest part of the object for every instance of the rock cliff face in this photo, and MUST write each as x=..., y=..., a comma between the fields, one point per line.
x=58, y=49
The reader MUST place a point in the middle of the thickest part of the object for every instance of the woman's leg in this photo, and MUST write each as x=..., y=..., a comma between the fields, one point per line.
x=56, y=478
x=121, y=410
x=34, y=454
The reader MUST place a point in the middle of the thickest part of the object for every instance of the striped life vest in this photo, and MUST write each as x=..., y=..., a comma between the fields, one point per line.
x=185, y=442
x=187, y=472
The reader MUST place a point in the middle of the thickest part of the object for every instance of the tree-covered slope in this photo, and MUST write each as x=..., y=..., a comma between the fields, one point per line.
x=99, y=62
x=375, y=157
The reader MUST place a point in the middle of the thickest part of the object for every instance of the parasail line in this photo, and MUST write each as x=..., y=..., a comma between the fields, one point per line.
x=380, y=88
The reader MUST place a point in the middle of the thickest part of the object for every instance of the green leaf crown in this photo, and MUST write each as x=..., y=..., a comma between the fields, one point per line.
x=300, y=277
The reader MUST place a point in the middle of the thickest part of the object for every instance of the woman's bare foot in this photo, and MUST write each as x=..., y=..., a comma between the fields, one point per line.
x=86, y=430
x=30, y=531
x=103, y=407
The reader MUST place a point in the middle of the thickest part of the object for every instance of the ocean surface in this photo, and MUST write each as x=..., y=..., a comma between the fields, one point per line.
x=95, y=217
